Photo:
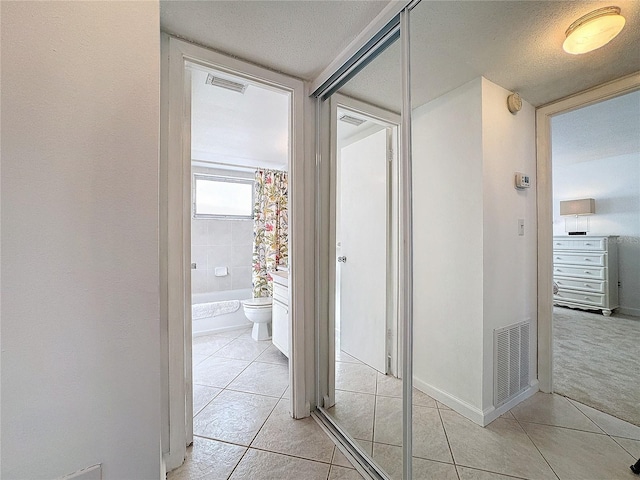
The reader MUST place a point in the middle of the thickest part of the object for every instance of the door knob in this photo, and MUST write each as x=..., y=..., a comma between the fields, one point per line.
x=342, y=259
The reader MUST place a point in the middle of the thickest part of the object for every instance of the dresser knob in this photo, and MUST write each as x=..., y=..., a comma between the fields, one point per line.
x=587, y=272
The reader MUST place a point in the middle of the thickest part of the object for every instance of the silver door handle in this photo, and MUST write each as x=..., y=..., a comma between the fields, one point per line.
x=342, y=259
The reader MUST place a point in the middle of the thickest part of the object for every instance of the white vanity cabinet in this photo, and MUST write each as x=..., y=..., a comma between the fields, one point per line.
x=585, y=269
x=280, y=312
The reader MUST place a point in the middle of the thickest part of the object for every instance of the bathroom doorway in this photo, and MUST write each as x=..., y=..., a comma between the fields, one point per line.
x=233, y=135
x=240, y=152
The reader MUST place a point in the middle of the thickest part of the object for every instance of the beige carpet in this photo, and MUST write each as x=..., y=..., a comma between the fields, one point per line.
x=597, y=361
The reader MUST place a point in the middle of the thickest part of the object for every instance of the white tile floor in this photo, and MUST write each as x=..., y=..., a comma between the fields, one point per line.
x=242, y=427
x=243, y=430
x=545, y=437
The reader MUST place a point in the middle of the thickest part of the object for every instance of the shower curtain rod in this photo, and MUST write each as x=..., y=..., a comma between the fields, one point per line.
x=238, y=167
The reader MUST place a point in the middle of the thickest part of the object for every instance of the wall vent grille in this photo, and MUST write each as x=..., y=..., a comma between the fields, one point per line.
x=224, y=83
x=511, y=360
x=352, y=120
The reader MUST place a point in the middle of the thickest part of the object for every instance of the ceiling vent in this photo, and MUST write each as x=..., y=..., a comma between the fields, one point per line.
x=224, y=83
x=352, y=120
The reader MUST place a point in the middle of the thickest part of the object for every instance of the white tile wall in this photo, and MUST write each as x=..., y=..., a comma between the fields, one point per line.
x=221, y=243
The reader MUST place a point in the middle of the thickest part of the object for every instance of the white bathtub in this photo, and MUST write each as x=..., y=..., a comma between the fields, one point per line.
x=220, y=323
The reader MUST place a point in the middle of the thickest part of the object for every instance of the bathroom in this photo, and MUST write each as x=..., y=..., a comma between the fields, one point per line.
x=239, y=251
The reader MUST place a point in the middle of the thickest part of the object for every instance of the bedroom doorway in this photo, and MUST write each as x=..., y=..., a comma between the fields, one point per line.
x=590, y=318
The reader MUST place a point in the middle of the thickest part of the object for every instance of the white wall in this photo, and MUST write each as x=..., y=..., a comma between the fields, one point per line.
x=447, y=242
x=614, y=183
x=510, y=261
x=472, y=272
x=80, y=325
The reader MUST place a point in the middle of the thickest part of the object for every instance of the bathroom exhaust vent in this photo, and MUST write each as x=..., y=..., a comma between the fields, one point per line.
x=352, y=120
x=511, y=361
x=224, y=83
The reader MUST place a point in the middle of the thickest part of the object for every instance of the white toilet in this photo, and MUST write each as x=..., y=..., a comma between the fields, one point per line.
x=258, y=310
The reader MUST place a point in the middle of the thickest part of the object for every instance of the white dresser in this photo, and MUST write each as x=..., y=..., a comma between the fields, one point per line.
x=280, y=312
x=586, y=271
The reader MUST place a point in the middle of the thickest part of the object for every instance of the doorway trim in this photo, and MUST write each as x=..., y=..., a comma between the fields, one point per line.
x=175, y=238
x=544, y=192
x=391, y=120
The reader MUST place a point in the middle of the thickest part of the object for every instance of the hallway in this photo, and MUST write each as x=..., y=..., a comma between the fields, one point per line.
x=243, y=429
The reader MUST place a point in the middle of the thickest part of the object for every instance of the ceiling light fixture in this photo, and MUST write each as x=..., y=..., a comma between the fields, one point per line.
x=593, y=30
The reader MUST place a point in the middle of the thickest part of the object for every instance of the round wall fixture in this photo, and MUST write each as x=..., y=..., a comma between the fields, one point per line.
x=593, y=30
x=514, y=103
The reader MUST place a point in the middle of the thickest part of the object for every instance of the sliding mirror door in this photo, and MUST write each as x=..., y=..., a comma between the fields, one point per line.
x=474, y=236
x=363, y=392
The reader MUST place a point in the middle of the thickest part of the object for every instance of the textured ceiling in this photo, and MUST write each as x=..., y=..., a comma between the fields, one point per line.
x=516, y=44
x=299, y=38
x=603, y=130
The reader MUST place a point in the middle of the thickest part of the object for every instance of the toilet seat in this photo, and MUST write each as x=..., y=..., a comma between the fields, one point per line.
x=257, y=303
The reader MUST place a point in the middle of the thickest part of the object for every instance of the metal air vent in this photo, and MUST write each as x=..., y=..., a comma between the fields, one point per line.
x=352, y=120
x=224, y=83
x=511, y=362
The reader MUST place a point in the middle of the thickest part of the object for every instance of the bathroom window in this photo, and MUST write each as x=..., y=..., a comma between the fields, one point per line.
x=222, y=197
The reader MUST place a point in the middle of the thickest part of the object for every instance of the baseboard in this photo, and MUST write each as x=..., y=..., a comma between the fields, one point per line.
x=463, y=408
x=491, y=413
x=634, y=312
x=476, y=415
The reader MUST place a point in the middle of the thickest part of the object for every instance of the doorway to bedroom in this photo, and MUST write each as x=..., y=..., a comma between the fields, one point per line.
x=596, y=255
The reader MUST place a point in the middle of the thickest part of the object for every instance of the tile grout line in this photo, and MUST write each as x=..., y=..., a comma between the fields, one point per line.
x=536, y=446
x=446, y=436
x=590, y=419
x=491, y=471
x=240, y=460
x=567, y=428
x=615, y=439
x=251, y=447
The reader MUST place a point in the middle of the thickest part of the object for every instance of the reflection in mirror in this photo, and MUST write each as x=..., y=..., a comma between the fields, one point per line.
x=366, y=401
x=474, y=273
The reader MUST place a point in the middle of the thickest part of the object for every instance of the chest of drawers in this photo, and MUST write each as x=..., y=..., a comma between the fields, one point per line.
x=585, y=270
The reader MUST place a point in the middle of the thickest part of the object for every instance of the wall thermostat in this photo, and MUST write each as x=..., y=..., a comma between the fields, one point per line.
x=522, y=181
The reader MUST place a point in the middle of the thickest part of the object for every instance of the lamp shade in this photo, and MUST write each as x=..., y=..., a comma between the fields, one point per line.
x=583, y=206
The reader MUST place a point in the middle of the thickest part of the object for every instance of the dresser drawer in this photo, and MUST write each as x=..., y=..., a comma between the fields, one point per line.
x=582, y=272
x=595, y=299
x=596, y=286
x=596, y=259
x=582, y=244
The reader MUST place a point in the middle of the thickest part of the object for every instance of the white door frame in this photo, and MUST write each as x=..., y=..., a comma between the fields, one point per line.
x=392, y=119
x=175, y=238
x=545, y=210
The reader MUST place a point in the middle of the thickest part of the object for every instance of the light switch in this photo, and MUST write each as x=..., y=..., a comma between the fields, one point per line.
x=521, y=227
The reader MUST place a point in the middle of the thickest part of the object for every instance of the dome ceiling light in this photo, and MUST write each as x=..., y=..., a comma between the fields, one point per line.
x=593, y=30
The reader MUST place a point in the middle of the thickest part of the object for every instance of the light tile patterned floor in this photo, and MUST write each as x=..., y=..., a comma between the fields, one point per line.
x=243, y=429
x=545, y=437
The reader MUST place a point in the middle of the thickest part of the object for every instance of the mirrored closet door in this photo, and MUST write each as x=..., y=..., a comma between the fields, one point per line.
x=361, y=133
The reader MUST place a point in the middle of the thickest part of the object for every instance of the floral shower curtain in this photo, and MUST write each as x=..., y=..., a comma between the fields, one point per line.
x=270, y=228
